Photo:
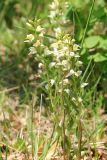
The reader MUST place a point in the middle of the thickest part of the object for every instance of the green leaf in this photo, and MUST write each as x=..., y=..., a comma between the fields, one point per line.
x=92, y=41
x=98, y=57
x=103, y=44
x=99, y=13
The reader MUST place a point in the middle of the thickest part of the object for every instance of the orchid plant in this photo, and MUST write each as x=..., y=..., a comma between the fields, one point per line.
x=60, y=69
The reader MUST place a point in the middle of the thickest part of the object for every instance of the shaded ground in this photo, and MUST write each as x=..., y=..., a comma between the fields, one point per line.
x=15, y=129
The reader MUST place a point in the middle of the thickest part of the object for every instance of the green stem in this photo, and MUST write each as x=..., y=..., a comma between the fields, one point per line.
x=32, y=117
x=32, y=144
x=79, y=139
x=64, y=150
x=64, y=114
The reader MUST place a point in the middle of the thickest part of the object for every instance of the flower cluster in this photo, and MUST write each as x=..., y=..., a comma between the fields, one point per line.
x=37, y=37
x=59, y=64
x=66, y=65
x=57, y=8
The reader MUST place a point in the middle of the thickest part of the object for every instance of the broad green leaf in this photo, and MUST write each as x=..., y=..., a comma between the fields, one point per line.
x=99, y=12
x=92, y=41
x=99, y=57
x=103, y=43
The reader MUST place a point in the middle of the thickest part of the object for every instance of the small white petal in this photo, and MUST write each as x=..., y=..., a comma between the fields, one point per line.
x=72, y=54
x=72, y=72
x=52, y=64
x=32, y=50
x=39, y=29
x=58, y=30
x=29, y=25
x=73, y=99
x=79, y=63
x=29, y=38
x=76, y=47
x=67, y=91
x=83, y=85
x=73, y=40
x=40, y=65
x=46, y=86
x=64, y=62
x=52, y=81
x=79, y=99
x=77, y=56
x=41, y=34
x=56, y=52
x=65, y=81
x=52, y=14
x=78, y=73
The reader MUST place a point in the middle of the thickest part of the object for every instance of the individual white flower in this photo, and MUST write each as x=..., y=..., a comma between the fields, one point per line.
x=64, y=63
x=79, y=63
x=52, y=6
x=73, y=99
x=72, y=54
x=52, y=15
x=73, y=40
x=54, y=45
x=41, y=34
x=83, y=85
x=67, y=91
x=40, y=65
x=29, y=25
x=37, y=44
x=72, y=72
x=29, y=38
x=78, y=73
x=56, y=52
x=60, y=90
x=65, y=50
x=52, y=64
x=32, y=50
x=47, y=52
x=77, y=56
x=66, y=68
x=57, y=30
x=76, y=47
x=39, y=29
x=52, y=81
x=66, y=41
x=79, y=99
x=65, y=81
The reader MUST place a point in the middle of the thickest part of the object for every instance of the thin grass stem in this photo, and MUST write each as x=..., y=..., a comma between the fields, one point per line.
x=64, y=135
x=79, y=139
